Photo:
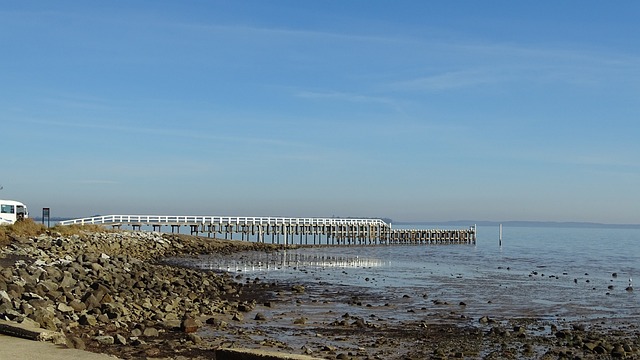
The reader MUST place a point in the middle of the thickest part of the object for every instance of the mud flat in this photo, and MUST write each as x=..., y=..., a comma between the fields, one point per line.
x=110, y=292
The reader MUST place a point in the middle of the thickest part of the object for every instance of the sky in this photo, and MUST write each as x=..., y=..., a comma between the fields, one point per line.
x=410, y=110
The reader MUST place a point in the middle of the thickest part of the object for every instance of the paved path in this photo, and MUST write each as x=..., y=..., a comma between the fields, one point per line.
x=15, y=344
x=17, y=341
x=22, y=349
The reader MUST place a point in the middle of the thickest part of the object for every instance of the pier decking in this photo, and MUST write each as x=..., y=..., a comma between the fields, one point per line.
x=290, y=231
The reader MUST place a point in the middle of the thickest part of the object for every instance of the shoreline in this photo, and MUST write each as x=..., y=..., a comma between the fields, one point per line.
x=109, y=292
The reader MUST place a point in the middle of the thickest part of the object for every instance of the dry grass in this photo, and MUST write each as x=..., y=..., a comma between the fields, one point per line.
x=24, y=228
x=67, y=230
x=30, y=228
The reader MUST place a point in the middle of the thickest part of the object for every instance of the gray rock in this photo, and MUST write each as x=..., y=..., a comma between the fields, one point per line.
x=45, y=318
x=90, y=301
x=216, y=322
x=190, y=325
x=30, y=323
x=64, y=308
x=4, y=297
x=68, y=280
x=49, y=285
x=76, y=343
x=111, y=310
x=600, y=349
x=578, y=327
x=195, y=338
x=95, y=267
x=31, y=296
x=172, y=324
x=150, y=332
x=245, y=307
x=104, y=340
x=590, y=345
x=77, y=305
x=120, y=340
x=618, y=351
x=99, y=290
x=88, y=320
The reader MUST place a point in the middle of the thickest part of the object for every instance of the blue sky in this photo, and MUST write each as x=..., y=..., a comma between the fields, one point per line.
x=413, y=110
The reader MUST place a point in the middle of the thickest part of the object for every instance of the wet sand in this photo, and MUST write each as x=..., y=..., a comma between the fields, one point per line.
x=358, y=322
x=343, y=324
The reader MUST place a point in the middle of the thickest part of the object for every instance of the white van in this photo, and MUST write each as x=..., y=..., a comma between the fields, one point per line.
x=12, y=211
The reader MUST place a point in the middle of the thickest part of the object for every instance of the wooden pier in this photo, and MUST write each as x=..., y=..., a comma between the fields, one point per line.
x=289, y=231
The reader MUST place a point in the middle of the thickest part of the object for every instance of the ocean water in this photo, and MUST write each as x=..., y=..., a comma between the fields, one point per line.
x=574, y=274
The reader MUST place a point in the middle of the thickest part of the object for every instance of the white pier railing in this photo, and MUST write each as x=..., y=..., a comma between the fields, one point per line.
x=197, y=220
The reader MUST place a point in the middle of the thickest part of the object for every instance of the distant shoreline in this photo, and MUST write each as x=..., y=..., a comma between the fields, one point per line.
x=554, y=224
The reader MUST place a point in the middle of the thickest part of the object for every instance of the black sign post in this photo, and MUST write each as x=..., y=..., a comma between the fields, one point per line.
x=45, y=215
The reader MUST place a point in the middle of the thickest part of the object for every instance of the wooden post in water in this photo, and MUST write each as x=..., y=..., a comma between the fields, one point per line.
x=286, y=235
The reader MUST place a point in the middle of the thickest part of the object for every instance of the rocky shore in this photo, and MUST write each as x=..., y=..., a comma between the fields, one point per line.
x=105, y=291
x=110, y=292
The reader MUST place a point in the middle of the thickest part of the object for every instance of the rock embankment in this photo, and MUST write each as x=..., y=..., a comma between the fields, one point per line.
x=102, y=289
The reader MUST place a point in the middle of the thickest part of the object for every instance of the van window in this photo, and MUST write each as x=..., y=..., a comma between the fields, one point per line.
x=7, y=209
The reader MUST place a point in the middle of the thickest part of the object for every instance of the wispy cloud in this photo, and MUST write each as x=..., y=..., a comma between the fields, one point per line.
x=348, y=97
x=449, y=80
x=76, y=102
x=474, y=64
x=170, y=133
x=275, y=33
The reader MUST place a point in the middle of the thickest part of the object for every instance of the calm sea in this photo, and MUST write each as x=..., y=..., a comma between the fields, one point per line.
x=547, y=273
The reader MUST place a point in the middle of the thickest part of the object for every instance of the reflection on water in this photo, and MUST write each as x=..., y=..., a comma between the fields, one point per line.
x=259, y=262
x=546, y=273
